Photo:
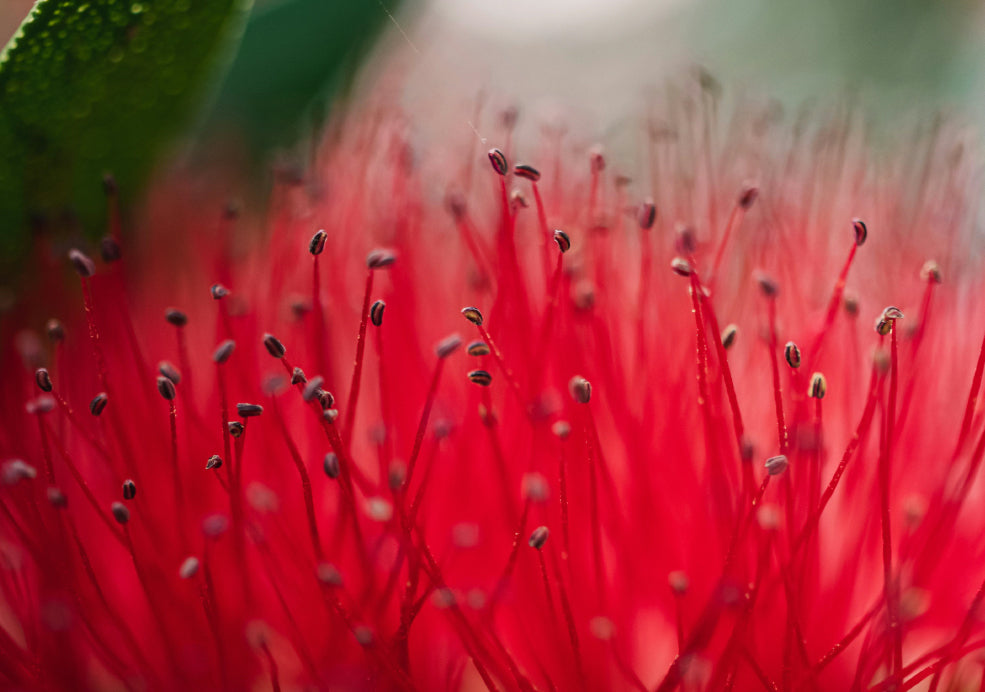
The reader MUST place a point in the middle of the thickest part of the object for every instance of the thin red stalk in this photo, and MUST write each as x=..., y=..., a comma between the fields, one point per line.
x=498, y=355
x=563, y=498
x=97, y=348
x=153, y=603
x=118, y=621
x=551, y=610
x=96, y=444
x=49, y=468
x=422, y=426
x=843, y=643
x=853, y=444
x=385, y=407
x=718, y=482
x=479, y=255
x=87, y=492
x=491, y=425
x=504, y=578
x=763, y=678
x=781, y=427
x=546, y=235
x=734, y=218
x=212, y=612
x=969, y=411
x=569, y=619
x=296, y=636
x=709, y=311
x=547, y=324
x=885, y=467
x=272, y=662
x=309, y=503
x=836, y=296
x=598, y=560
x=179, y=488
x=321, y=329
x=350, y=407
x=476, y=649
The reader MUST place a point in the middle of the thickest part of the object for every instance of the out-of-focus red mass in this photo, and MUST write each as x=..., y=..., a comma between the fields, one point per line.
x=722, y=509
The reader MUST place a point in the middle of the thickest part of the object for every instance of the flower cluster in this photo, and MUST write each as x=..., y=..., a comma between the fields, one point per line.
x=534, y=422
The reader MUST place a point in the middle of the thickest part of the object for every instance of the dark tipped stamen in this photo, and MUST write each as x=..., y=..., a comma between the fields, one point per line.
x=214, y=462
x=325, y=399
x=297, y=376
x=562, y=240
x=317, y=244
x=480, y=377
x=686, y=241
x=729, y=335
x=176, y=317
x=931, y=271
x=767, y=284
x=129, y=489
x=646, y=215
x=165, y=388
x=539, y=537
x=498, y=161
x=168, y=370
x=98, y=403
x=274, y=346
x=748, y=196
x=312, y=388
x=818, y=386
x=218, y=291
x=892, y=313
x=580, y=389
x=189, y=567
x=81, y=263
x=376, y=313
x=473, y=315
x=378, y=259
x=120, y=512
x=56, y=498
x=331, y=465
x=249, y=410
x=223, y=351
x=792, y=355
x=329, y=575
x=43, y=379
x=478, y=348
x=55, y=330
x=861, y=231
x=776, y=465
x=236, y=429
x=447, y=346
x=681, y=266
x=110, y=250
x=522, y=170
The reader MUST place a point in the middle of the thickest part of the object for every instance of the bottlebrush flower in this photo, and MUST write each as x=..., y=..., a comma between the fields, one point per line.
x=527, y=426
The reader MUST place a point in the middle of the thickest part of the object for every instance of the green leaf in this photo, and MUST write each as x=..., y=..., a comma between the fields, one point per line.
x=95, y=86
x=295, y=56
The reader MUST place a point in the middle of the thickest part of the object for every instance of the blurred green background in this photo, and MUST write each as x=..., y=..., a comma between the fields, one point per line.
x=270, y=75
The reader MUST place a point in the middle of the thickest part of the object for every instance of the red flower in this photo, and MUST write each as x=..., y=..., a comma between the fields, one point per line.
x=649, y=456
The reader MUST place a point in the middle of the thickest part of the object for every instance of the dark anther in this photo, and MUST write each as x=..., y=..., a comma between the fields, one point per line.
x=376, y=313
x=176, y=317
x=498, y=161
x=317, y=243
x=98, y=403
x=81, y=262
x=43, y=379
x=274, y=346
